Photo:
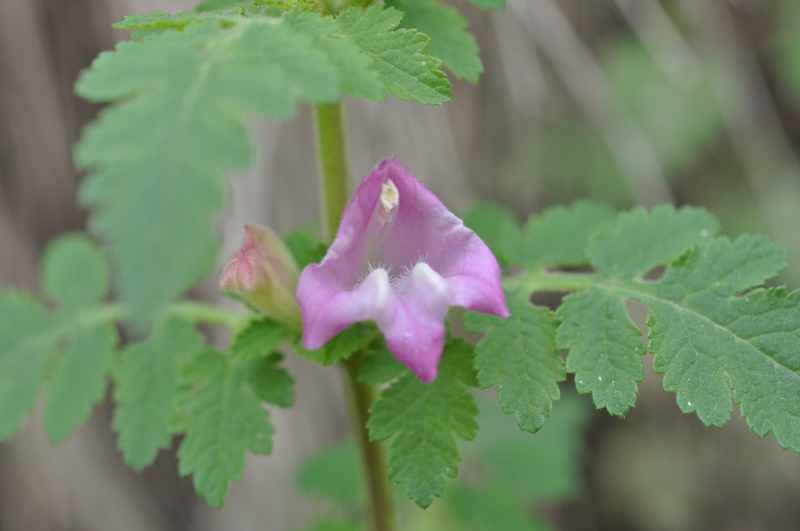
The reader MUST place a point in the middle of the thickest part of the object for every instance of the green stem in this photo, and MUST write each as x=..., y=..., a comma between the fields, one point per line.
x=379, y=492
x=333, y=196
x=333, y=166
x=538, y=280
x=198, y=312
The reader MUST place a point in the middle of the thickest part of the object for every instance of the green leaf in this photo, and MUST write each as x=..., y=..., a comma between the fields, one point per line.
x=75, y=273
x=211, y=5
x=489, y=508
x=714, y=342
x=304, y=248
x=79, y=379
x=450, y=40
x=259, y=339
x=641, y=240
x=493, y=223
x=28, y=335
x=605, y=348
x=222, y=418
x=422, y=421
x=494, y=5
x=380, y=366
x=270, y=382
x=558, y=236
x=334, y=474
x=404, y=69
x=147, y=383
x=548, y=466
x=708, y=341
x=518, y=355
x=344, y=344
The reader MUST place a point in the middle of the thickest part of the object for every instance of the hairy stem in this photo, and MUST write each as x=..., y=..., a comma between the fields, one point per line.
x=333, y=195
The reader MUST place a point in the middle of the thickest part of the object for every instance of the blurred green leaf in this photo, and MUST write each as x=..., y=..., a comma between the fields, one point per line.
x=334, y=473
x=146, y=390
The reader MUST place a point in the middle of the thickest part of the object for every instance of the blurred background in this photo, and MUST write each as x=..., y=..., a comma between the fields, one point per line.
x=623, y=101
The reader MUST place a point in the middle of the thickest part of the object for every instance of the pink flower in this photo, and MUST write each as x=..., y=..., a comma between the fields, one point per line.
x=401, y=259
x=263, y=273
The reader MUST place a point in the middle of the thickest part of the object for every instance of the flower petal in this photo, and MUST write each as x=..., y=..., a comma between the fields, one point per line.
x=425, y=258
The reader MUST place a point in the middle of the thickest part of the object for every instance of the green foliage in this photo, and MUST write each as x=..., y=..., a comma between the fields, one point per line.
x=304, y=248
x=557, y=236
x=28, y=336
x=260, y=338
x=333, y=474
x=604, y=348
x=75, y=273
x=398, y=54
x=380, y=366
x=546, y=467
x=146, y=390
x=518, y=355
x=495, y=225
x=494, y=5
x=447, y=28
x=715, y=341
x=422, y=422
x=510, y=470
x=182, y=99
x=219, y=410
x=78, y=380
x=72, y=348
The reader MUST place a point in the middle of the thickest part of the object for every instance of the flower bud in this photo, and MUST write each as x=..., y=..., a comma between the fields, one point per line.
x=264, y=274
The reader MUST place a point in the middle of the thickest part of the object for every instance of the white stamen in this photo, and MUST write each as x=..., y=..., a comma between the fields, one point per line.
x=390, y=198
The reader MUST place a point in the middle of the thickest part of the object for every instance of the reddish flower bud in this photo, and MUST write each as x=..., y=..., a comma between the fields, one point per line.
x=264, y=274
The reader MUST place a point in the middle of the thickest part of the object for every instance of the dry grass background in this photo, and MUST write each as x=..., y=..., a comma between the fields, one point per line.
x=544, y=63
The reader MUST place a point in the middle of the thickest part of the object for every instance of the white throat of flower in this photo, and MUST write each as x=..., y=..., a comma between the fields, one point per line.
x=381, y=223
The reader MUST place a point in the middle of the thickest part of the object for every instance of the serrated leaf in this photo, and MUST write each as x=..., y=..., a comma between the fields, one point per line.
x=558, y=236
x=518, y=355
x=358, y=77
x=270, y=382
x=79, y=380
x=492, y=223
x=156, y=158
x=404, y=69
x=380, y=366
x=146, y=390
x=707, y=341
x=75, y=273
x=259, y=339
x=447, y=28
x=349, y=341
x=222, y=419
x=713, y=344
x=640, y=240
x=422, y=421
x=605, y=348
x=28, y=335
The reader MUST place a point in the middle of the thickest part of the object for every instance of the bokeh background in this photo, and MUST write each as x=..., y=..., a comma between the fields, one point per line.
x=623, y=101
